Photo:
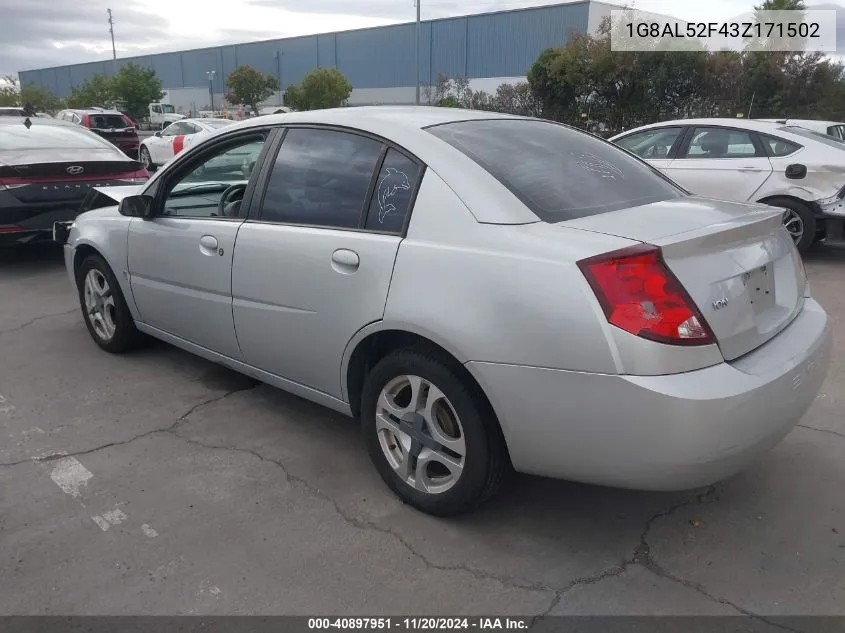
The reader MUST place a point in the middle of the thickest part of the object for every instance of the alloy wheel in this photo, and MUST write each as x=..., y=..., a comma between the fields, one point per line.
x=99, y=304
x=793, y=224
x=420, y=434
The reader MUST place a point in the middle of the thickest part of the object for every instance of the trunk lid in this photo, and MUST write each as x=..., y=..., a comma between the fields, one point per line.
x=736, y=261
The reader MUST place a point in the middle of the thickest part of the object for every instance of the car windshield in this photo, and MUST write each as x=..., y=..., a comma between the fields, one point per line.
x=818, y=136
x=17, y=137
x=558, y=172
x=108, y=121
x=11, y=112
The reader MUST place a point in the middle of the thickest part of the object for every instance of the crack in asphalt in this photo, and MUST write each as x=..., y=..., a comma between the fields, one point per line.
x=26, y=324
x=642, y=554
x=815, y=428
x=168, y=429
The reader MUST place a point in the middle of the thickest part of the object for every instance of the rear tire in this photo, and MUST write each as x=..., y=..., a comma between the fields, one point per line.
x=798, y=214
x=104, y=308
x=444, y=472
x=146, y=159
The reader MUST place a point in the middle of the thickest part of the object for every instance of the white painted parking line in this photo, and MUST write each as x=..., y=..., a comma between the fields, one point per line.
x=148, y=531
x=112, y=517
x=70, y=475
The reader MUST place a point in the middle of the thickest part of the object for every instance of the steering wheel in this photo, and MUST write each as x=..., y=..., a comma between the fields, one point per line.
x=228, y=197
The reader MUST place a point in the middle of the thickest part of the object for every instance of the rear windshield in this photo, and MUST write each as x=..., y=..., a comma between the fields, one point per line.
x=558, y=172
x=108, y=122
x=818, y=136
x=16, y=137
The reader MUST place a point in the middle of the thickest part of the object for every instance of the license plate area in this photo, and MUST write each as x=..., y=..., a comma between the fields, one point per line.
x=760, y=288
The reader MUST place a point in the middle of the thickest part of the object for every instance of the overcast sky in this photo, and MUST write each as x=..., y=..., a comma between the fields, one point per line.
x=41, y=33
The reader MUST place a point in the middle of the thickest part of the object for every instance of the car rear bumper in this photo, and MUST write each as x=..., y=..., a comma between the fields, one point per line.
x=670, y=432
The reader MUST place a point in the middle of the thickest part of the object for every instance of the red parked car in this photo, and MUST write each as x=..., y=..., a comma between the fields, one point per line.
x=112, y=125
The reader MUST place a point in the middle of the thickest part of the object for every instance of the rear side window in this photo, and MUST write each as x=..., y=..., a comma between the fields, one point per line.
x=720, y=143
x=558, y=172
x=654, y=143
x=321, y=178
x=778, y=147
x=391, y=202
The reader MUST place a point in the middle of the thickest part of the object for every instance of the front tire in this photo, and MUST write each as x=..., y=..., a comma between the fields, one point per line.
x=104, y=308
x=433, y=439
x=798, y=220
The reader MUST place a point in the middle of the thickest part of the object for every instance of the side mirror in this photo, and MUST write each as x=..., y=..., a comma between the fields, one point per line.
x=136, y=207
x=158, y=134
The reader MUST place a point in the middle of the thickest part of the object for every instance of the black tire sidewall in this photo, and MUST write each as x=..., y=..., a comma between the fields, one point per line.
x=470, y=488
x=125, y=335
x=807, y=217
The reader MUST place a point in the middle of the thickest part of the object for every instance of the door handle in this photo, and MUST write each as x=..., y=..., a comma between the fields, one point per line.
x=208, y=245
x=345, y=261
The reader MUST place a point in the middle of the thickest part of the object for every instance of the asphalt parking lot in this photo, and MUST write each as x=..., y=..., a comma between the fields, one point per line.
x=159, y=483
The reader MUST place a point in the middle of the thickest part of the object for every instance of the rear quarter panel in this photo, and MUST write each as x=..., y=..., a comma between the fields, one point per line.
x=498, y=293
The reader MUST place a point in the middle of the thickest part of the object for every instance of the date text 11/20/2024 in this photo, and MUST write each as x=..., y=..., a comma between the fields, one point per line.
x=382, y=623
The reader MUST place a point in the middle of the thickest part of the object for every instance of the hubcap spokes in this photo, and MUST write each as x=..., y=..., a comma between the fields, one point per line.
x=794, y=225
x=99, y=304
x=420, y=434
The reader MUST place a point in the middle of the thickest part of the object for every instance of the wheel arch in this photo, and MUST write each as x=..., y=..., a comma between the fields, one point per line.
x=375, y=341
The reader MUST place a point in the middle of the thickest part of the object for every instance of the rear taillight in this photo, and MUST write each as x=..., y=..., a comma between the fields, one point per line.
x=10, y=228
x=640, y=295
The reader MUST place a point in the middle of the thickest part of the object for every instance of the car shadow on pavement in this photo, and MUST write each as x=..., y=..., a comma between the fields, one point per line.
x=31, y=259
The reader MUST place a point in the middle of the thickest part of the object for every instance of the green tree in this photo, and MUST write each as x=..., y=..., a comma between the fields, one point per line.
x=249, y=86
x=42, y=100
x=96, y=91
x=9, y=95
x=321, y=88
x=135, y=87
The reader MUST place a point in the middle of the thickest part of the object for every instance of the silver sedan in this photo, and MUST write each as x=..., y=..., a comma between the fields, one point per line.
x=484, y=292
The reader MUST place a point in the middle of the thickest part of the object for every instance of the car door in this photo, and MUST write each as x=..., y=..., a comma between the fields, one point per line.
x=171, y=139
x=656, y=145
x=723, y=163
x=180, y=261
x=314, y=260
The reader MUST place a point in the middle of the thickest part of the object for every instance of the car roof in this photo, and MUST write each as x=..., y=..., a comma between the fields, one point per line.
x=202, y=120
x=35, y=120
x=756, y=125
x=371, y=116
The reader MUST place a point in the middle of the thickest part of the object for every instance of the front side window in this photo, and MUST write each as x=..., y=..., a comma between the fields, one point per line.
x=199, y=192
x=720, y=143
x=321, y=178
x=654, y=143
x=558, y=172
x=395, y=186
x=175, y=129
x=157, y=109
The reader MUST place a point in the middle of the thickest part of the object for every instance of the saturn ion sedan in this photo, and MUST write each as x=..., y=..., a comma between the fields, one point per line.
x=483, y=292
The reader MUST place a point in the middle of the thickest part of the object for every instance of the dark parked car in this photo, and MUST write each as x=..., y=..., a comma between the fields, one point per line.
x=112, y=125
x=47, y=168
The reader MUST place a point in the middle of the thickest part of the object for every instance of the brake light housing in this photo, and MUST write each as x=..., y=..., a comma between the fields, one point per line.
x=640, y=294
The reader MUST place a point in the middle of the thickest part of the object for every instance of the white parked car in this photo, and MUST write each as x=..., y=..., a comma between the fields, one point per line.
x=740, y=160
x=162, y=146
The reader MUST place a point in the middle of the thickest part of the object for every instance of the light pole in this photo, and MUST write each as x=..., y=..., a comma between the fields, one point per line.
x=278, y=57
x=417, y=43
x=210, y=75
